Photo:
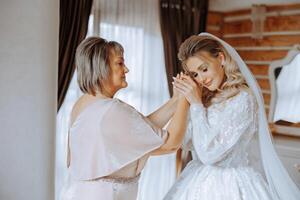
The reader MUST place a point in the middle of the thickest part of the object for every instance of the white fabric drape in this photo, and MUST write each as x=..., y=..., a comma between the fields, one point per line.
x=134, y=24
x=288, y=88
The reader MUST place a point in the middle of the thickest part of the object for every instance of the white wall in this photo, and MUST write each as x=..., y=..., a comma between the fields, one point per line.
x=28, y=73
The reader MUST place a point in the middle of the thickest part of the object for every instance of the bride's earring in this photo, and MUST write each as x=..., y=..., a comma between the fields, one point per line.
x=222, y=59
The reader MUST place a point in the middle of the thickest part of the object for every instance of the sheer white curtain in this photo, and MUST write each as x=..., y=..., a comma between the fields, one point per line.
x=134, y=24
x=62, y=125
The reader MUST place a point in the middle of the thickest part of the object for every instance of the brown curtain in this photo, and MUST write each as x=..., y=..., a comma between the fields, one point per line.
x=179, y=19
x=73, y=26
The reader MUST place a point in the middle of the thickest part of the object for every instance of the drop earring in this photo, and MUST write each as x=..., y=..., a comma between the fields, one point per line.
x=222, y=63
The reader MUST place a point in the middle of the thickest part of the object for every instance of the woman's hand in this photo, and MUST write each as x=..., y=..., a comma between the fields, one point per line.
x=176, y=93
x=189, y=88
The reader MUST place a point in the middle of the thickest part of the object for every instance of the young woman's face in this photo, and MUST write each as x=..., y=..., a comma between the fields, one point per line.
x=206, y=69
x=118, y=71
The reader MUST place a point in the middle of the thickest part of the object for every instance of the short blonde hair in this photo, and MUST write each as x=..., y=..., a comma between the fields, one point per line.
x=234, y=80
x=92, y=63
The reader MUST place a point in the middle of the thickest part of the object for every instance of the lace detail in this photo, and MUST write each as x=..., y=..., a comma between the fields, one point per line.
x=222, y=132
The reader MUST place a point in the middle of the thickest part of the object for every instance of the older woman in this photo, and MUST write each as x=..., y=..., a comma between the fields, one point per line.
x=109, y=141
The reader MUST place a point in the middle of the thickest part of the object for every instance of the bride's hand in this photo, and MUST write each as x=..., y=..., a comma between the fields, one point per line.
x=189, y=88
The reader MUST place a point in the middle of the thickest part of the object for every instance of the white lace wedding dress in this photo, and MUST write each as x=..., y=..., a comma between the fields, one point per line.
x=219, y=137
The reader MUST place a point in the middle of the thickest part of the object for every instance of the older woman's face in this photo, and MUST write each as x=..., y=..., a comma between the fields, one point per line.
x=206, y=69
x=118, y=71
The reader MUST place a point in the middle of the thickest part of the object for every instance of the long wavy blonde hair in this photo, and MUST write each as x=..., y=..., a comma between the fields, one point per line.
x=233, y=82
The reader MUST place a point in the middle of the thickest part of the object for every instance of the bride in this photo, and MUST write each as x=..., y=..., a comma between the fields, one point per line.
x=233, y=155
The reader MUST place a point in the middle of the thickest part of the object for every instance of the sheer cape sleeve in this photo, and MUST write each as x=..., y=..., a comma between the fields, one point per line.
x=121, y=136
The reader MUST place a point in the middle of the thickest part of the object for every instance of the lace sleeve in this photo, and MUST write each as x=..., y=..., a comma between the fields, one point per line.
x=212, y=143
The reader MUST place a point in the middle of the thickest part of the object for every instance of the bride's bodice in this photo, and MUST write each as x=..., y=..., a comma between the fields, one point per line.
x=219, y=135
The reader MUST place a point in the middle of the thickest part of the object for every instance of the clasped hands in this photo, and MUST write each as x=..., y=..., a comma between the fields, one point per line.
x=189, y=88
